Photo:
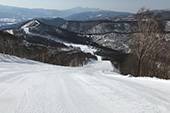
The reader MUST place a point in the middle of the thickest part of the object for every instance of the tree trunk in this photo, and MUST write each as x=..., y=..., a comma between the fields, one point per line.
x=139, y=68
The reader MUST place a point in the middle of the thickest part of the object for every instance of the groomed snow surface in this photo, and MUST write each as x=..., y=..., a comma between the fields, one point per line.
x=31, y=87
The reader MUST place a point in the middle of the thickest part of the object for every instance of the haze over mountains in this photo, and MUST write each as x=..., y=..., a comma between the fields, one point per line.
x=10, y=15
x=27, y=13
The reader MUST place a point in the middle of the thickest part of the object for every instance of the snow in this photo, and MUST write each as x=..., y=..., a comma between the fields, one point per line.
x=10, y=32
x=30, y=23
x=32, y=87
x=85, y=49
x=26, y=30
x=8, y=20
x=27, y=26
x=167, y=26
x=99, y=15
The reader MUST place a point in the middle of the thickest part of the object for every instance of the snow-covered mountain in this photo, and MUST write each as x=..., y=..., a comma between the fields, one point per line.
x=111, y=34
x=35, y=28
x=28, y=86
x=48, y=21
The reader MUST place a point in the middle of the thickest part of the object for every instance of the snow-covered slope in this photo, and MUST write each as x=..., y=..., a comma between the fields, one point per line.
x=35, y=28
x=32, y=87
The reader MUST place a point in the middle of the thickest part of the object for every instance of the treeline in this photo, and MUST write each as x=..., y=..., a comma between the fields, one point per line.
x=17, y=46
x=150, y=50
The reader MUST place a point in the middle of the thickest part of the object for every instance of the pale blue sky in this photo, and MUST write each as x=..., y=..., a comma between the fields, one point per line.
x=115, y=5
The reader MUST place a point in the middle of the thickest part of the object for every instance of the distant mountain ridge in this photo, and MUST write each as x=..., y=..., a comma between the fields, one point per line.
x=11, y=15
x=26, y=13
x=99, y=15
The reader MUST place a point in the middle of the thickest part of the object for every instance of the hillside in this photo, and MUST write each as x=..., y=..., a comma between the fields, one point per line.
x=52, y=41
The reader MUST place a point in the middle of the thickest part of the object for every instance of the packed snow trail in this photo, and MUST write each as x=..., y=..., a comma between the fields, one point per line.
x=32, y=87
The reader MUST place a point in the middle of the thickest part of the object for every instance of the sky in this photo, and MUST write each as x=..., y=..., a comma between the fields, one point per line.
x=114, y=5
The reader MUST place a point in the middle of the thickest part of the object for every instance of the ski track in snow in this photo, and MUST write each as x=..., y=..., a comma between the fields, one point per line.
x=32, y=87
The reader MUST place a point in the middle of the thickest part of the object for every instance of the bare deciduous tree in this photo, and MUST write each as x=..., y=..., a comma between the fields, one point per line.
x=146, y=38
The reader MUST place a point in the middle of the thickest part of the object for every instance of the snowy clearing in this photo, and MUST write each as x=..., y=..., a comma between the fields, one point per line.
x=83, y=48
x=31, y=87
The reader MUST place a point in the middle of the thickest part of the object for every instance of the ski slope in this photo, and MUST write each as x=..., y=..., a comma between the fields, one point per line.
x=31, y=87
